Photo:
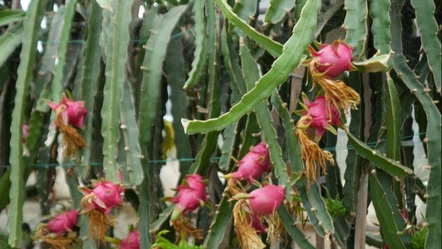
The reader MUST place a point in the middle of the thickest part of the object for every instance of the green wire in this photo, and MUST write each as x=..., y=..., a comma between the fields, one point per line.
x=191, y=159
x=133, y=41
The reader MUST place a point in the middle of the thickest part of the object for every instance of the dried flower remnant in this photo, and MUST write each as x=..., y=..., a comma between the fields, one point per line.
x=248, y=236
x=97, y=203
x=313, y=155
x=69, y=115
x=275, y=229
x=256, y=223
x=185, y=229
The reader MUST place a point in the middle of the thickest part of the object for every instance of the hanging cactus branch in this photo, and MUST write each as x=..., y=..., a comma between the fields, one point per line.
x=220, y=124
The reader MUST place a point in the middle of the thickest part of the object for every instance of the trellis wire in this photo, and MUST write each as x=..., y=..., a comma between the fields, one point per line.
x=191, y=159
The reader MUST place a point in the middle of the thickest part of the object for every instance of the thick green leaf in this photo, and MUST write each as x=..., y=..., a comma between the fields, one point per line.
x=89, y=80
x=175, y=67
x=117, y=39
x=57, y=84
x=208, y=145
x=385, y=204
x=130, y=134
x=42, y=86
x=433, y=132
x=355, y=24
x=301, y=186
x=149, y=97
x=274, y=48
x=376, y=63
x=227, y=148
x=245, y=10
x=31, y=28
x=393, y=119
x=231, y=63
x=164, y=217
x=292, y=143
x=321, y=212
x=381, y=23
x=277, y=10
x=282, y=67
x=290, y=226
x=392, y=167
x=219, y=224
x=7, y=16
x=429, y=29
x=200, y=53
x=149, y=21
x=105, y=4
x=9, y=41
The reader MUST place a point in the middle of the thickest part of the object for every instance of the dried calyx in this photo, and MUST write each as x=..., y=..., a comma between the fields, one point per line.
x=312, y=155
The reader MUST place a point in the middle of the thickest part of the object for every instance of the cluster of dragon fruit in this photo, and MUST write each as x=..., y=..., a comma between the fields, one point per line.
x=250, y=188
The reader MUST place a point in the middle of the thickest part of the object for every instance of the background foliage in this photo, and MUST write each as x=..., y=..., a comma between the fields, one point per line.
x=205, y=57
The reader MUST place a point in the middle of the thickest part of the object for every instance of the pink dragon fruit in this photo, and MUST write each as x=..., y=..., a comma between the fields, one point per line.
x=63, y=223
x=132, y=241
x=267, y=199
x=191, y=194
x=74, y=113
x=333, y=59
x=321, y=116
x=253, y=164
x=104, y=196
